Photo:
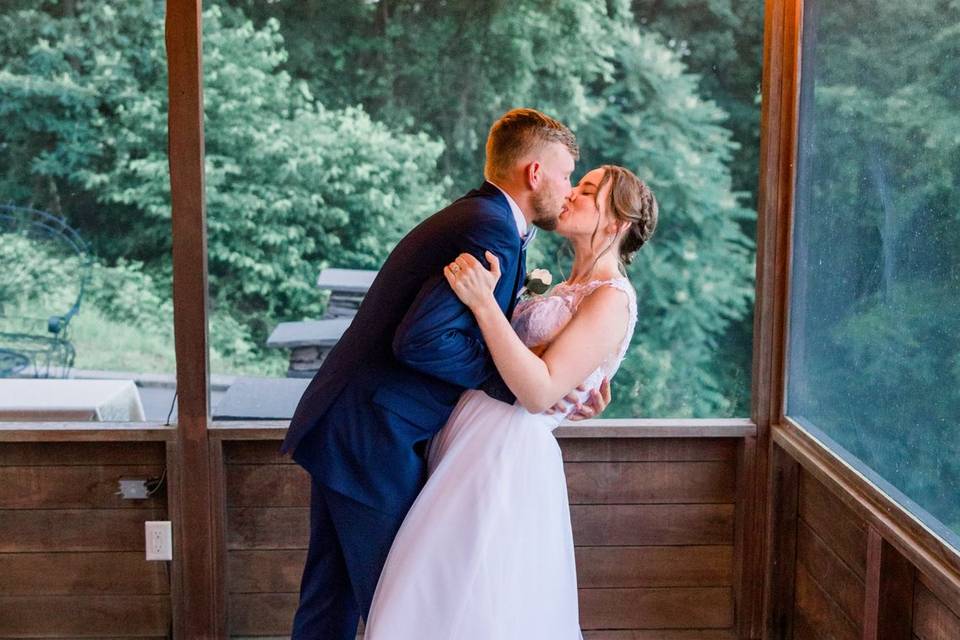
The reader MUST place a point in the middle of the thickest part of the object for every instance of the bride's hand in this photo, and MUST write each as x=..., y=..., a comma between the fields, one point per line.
x=473, y=283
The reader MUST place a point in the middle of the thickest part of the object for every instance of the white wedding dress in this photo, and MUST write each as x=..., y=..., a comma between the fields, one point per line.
x=486, y=551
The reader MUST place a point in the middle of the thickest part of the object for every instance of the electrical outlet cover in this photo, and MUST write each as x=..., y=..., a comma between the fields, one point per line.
x=159, y=539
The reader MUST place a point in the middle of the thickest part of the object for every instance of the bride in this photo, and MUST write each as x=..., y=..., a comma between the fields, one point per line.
x=486, y=551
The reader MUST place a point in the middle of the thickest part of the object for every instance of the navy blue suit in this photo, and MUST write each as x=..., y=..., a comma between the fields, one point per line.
x=362, y=426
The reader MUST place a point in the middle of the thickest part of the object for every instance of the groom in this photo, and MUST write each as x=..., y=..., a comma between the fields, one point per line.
x=362, y=426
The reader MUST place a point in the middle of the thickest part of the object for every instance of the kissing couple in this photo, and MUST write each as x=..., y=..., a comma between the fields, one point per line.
x=439, y=503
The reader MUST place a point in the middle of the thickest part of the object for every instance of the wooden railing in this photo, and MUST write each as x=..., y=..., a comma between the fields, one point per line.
x=656, y=507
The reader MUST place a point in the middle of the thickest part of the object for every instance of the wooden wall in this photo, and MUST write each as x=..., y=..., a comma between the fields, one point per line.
x=71, y=552
x=848, y=583
x=830, y=568
x=653, y=523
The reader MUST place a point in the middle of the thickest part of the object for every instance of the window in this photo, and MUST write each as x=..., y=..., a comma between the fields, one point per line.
x=874, y=360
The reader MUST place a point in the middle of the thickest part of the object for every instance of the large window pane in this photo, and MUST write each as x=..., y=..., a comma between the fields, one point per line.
x=874, y=364
x=349, y=122
x=85, y=287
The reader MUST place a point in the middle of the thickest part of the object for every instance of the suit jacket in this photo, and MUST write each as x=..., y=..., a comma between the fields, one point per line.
x=394, y=377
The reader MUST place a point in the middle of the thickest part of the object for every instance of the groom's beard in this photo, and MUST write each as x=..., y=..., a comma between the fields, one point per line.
x=546, y=209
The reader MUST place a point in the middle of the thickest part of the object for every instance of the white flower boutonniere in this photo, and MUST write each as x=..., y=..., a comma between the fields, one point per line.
x=537, y=282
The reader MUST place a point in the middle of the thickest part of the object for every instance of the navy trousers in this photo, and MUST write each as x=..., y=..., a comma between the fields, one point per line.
x=349, y=542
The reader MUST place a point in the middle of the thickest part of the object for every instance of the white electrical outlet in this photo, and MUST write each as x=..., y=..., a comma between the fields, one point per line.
x=159, y=540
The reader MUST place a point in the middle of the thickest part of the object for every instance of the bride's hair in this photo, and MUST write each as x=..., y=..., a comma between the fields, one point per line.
x=629, y=200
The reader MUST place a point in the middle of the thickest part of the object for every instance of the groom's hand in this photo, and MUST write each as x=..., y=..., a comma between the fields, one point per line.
x=594, y=405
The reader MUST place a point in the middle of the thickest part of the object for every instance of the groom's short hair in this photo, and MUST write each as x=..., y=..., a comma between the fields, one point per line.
x=517, y=133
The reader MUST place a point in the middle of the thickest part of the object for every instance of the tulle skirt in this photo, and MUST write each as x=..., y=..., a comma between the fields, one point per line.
x=486, y=551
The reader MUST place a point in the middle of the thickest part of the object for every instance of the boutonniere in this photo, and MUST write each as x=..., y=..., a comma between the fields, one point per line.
x=537, y=282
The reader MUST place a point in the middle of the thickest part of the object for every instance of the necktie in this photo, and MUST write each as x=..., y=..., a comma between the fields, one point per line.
x=528, y=238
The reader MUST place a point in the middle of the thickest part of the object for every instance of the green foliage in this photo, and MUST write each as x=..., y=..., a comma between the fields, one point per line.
x=696, y=275
x=291, y=186
x=324, y=151
x=453, y=69
x=878, y=244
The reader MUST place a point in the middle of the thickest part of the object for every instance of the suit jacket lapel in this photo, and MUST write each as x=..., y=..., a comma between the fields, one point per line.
x=518, y=278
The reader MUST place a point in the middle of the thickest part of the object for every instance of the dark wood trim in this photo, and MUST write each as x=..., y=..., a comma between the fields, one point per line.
x=888, y=593
x=902, y=530
x=219, y=517
x=174, y=480
x=86, y=432
x=778, y=132
x=201, y=616
x=745, y=469
x=784, y=516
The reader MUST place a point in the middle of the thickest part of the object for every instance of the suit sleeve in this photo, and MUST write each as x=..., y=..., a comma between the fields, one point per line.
x=438, y=335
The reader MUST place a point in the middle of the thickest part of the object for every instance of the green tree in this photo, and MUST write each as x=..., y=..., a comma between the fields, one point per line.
x=291, y=185
x=451, y=68
x=877, y=243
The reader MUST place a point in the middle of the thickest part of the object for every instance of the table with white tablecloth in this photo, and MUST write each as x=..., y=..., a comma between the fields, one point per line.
x=33, y=400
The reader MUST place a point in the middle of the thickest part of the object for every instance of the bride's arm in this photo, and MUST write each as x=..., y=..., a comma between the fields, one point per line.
x=595, y=331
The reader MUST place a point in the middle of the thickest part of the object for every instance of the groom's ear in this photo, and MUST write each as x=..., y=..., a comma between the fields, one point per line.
x=534, y=173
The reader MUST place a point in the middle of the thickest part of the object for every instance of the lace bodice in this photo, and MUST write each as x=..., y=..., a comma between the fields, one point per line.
x=539, y=320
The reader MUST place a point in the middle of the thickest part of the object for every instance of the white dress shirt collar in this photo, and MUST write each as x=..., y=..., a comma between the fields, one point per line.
x=517, y=213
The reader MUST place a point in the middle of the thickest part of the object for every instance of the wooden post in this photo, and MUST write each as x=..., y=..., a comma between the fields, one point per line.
x=778, y=146
x=785, y=493
x=199, y=608
x=888, y=592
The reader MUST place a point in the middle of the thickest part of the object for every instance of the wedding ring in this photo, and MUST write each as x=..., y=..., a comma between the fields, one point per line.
x=455, y=268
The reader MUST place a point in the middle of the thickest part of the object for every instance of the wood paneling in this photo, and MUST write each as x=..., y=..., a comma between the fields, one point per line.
x=574, y=449
x=261, y=614
x=839, y=528
x=62, y=454
x=65, y=573
x=632, y=525
x=675, y=566
x=593, y=525
x=587, y=483
x=24, y=530
x=930, y=554
x=647, y=450
x=670, y=608
x=279, y=571
x=71, y=552
x=831, y=574
x=79, y=487
x=267, y=485
x=857, y=573
x=649, y=482
x=84, y=616
x=661, y=634
x=941, y=590
x=932, y=619
x=653, y=529
x=268, y=528
x=677, y=608
x=817, y=616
